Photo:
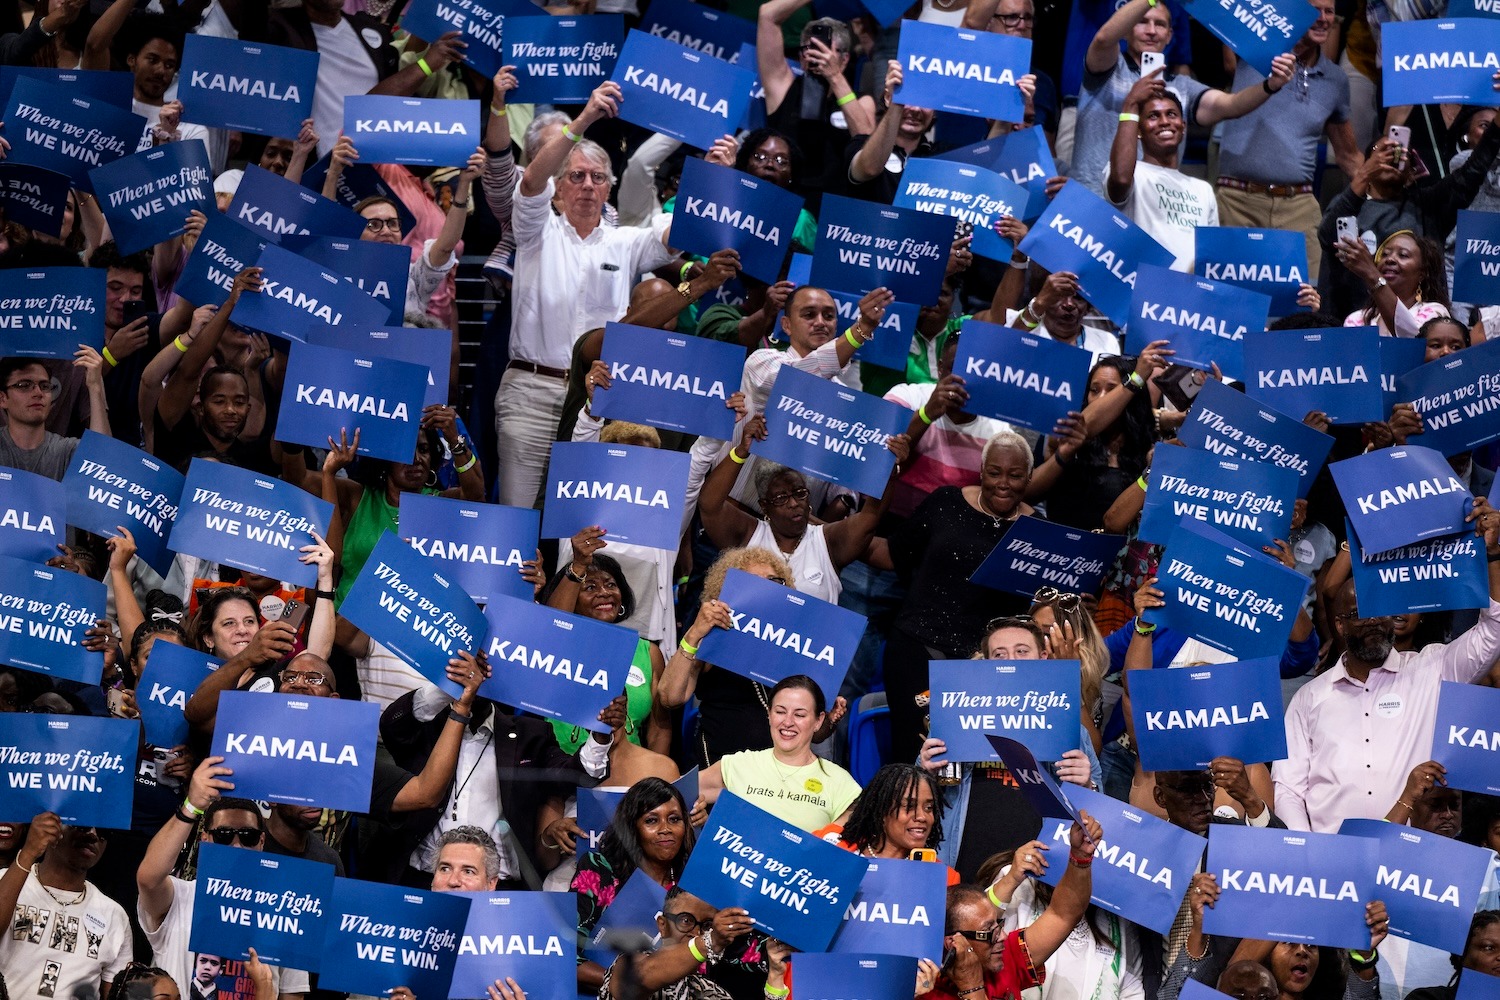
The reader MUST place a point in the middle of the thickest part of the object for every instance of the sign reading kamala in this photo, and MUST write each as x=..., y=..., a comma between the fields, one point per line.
x=1466, y=738
x=1458, y=398
x=1229, y=423
x=867, y=976
x=380, y=937
x=796, y=887
x=47, y=313
x=44, y=613
x=1141, y=867
x=1035, y=701
x=1024, y=157
x=109, y=483
x=419, y=615
x=481, y=21
x=378, y=269
x=1185, y=718
x=1270, y=261
x=295, y=294
x=411, y=344
x=669, y=380
x=61, y=130
x=560, y=60
x=1476, y=257
x=1204, y=320
x=328, y=390
x=417, y=131
x=249, y=521
x=635, y=493
x=1045, y=795
x=818, y=427
x=147, y=197
x=897, y=911
x=698, y=27
x=531, y=937
x=481, y=545
x=1281, y=885
x=1257, y=30
x=721, y=208
x=1035, y=552
x=1249, y=501
x=1081, y=232
x=267, y=200
x=982, y=197
x=246, y=86
x=1226, y=593
x=1397, y=496
x=1336, y=371
x=33, y=511
x=1433, y=62
x=671, y=89
x=558, y=665
x=1430, y=884
x=299, y=750
x=861, y=247
x=275, y=904
x=171, y=676
x=224, y=249
x=1440, y=574
x=34, y=197
x=81, y=768
x=966, y=72
x=1025, y=378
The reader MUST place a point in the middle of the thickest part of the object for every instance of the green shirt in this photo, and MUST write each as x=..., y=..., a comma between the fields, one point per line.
x=637, y=704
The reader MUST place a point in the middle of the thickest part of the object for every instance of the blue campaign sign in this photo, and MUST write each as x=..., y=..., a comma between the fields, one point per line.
x=672, y=89
x=1034, y=701
x=897, y=911
x=634, y=908
x=379, y=269
x=268, y=201
x=1041, y=790
x=246, y=86
x=1397, y=496
x=171, y=676
x=296, y=294
x=1465, y=740
x=596, y=807
x=47, y=313
x=531, y=937
x=1250, y=501
x=329, y=390
x=1035, y=553
x=1226, y=593
x=560, y=60
x=1398, y=355
x=720, y=208
x=779, y=632
x=1473, y=984
x=889, y=345
x=106, y=85
x=863, y=246
x=1430, y=884
x=224, y=249
x=982, y=197
x=79, y=767
x=1081, y=232
x=54, y=127
x=1433, y=62
x=403, y=603
x=1270, y=261
x=635, y=494
x=1440, y=574
x=1141, y=867
x=44, y=612
x=481, y=21
x=249, y=521
x=298, y=750
x=558, y=665
x=33, y=512
x=1334, y=370
x=963, y=71
x=855, y=974
x=1257, y=30
x=34, y=197
x=819, y=428
x=1291, y=885
x=1458, y=398
x=276, y=904
x=414, y=345
x=1020, y=377
x=480, y=545
x=109, y=484
x=1203, y=320
x=1185, y=718
x=702, y=28
x=146, y=197
x=669, y=380
x=1024, y=157
x=358, y=182
x=417, y=131
x=796, y=886
x=1225, y=422
x=381, y=936
x=1476, y=257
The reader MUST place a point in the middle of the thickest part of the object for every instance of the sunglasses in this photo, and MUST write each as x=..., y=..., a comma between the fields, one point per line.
x=982, y=937
x=225, y=835
x=1065, y=602
x=1009, y=621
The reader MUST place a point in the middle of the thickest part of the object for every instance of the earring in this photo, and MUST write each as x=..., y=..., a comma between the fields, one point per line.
x=620, y=615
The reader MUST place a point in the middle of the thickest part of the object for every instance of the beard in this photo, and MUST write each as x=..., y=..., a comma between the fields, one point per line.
x=1372, y=647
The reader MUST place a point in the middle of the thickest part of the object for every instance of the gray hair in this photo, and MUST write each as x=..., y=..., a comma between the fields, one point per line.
x=1008, y=439
x=765, y=471
x=589, y=150
x=539, y=124
x=842, y=37
x=478, y=838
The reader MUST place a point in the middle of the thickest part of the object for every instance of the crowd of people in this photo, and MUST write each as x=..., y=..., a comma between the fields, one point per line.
x=570, y=209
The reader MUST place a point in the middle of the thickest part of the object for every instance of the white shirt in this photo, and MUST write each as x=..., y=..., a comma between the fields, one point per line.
x=1097, y=342
x=1170, y=206
x=63, y=951
x=152, y=114
x=812, y=566
x=1082, y=967
x=169, y=945
x=344, y=68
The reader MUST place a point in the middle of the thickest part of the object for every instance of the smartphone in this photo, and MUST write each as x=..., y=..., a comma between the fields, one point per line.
x=1152, y=61
x=294, y=614
x=823, y=33
x=115, y=699
x=1347, y=226
x=922, y=854
x=1181, y=384
x=154, y=767
x=1400, y=135
x=135, y=309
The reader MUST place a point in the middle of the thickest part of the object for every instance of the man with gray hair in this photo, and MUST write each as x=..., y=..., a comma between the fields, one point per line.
x=467, y=861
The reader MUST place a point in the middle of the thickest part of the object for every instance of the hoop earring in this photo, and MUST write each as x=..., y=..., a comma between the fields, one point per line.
x=621, y=615
x=432, y=478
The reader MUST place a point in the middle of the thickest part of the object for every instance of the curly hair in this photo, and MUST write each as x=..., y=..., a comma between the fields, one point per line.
x=744, y=558
x=1433, y=287
x=607, y=564
x=758, y=138
x=893, y=788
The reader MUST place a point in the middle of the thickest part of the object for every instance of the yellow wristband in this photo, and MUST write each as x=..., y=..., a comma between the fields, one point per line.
x=777, y=991
x=422, y=63
x=922, y=412
x=1141, y=482
x=109, y=357
x=846, y=100
x=467, y=465
x=177, y=343
x=571, y=137
x=996, y=901
x=1126, y=116
x=734, y=456
x=693, y=949
x=690, y=650
x=497, y=112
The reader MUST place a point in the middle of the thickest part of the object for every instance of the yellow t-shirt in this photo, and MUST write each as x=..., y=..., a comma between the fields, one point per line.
x=809, y=797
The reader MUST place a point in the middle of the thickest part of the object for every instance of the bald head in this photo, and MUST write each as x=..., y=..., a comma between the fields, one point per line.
x=1247, y=980
x=309, y=675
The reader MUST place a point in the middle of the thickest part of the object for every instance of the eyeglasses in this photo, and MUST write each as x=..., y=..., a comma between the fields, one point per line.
x=1201, y=787
x=777, y=579
x=599, y=177
x=303, y=677
x=225, y=835
x=1065, y=602
x=28, y=385
x=1011, y=20
x=687, y=923
x=782, y=499
x=982, y=937
x=376, y=225
x=778, y=159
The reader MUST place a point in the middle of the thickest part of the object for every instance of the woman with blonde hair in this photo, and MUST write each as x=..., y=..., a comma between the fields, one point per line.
x=1072, y=635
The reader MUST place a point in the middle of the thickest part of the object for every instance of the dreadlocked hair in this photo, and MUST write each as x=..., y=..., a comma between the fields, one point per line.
x=893, y=788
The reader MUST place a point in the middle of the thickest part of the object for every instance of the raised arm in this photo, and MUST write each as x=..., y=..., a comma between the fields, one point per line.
x=154, y=876
x=869, y=162
x=849, y=538
x=93, y=376
x=680, y=677
x=604, y=102
x=303, y=148
x=426, y=789
x=726, y=525
x=1128, y=137
x=404, y=82
x=770, y=50
x=1104, y=50
x=102, y=35
x=1218, y=105
x=183, y=385
x=127, y=608
x=458, y=211
x=1071, y=899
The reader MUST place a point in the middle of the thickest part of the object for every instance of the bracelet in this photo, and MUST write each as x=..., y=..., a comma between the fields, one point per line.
x=854, y=340
x=422, y=64
x=687, y=647
x=1198, y=958
x=1079, y=860
x=473, y=460
x=777, y=992
x=456, y=716
x=1266, y=86
x=498, y=112
x=971, y=991
x=1141, y=482
x=177, y=343
x=693, y=950
x=922, y=412
x=1363, y=961
x=846, y=100
x=1135, y=383
x=109, y=357
x=324, y=595
x=734, y=456
x=1492, y=556
x=1403, y=802
x=1126, y=116
x=568, y=572
x=1029, y=319
x=571, y=137
x=1144, y=628
x=194, y=810
x=1021, y=264
x=459, y=204
x=23, y=867
x=682, y=272
x=995, y=900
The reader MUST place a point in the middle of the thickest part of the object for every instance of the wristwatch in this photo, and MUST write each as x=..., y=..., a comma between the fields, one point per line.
x=684, y=290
